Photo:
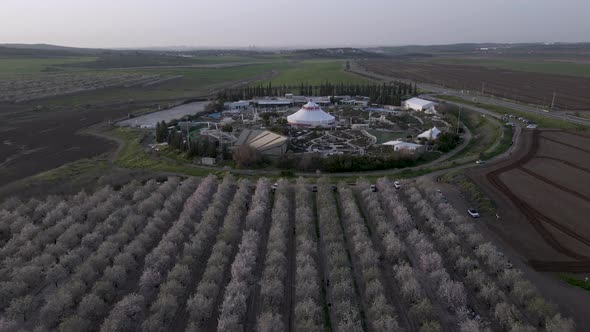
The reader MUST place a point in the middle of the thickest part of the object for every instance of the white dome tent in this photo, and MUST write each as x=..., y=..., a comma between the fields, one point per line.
x=430, y=134
x=311, y=115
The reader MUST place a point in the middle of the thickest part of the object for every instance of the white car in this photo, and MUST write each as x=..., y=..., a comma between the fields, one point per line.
x=473, y=213
x=397, y=185
x=532, y=126
x=480, y=162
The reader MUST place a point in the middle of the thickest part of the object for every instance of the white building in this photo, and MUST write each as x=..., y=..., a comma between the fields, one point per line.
x=411, y=148
x=274, y=103
x=311, y=115
x=430, y=134
x=418, y=104
x=237, y=105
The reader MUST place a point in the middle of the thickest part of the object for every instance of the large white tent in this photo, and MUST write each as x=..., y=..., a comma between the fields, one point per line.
x=430, y=134
x=311, y=115
x=418, y=104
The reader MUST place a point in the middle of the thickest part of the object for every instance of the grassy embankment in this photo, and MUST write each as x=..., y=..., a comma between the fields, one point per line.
x=489, y=137
x=132, y=155
x=535, y=66
x=575, y=281
x=540, y=120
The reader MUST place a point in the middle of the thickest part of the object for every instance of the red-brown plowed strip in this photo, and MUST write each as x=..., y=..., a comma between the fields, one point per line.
x=530, y=213
x=554, y=184
x=566, y=144
x=564, y=162
x=549, y=266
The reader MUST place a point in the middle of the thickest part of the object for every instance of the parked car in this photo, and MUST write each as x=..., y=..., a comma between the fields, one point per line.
x=314, y=188
x=373, y=188
x=334, y=188
x=275, y=186
x=397, y=185
x=532, y=126
x=473, y=213
x=480, y=162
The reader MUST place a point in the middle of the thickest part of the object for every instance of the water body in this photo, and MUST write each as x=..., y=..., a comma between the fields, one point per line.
x=178, y=112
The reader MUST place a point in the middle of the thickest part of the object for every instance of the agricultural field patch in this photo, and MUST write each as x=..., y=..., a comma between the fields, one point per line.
x=527, y=87
x=316, y=72
x=563, y=67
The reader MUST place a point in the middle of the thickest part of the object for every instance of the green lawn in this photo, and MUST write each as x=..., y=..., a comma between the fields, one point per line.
x=540, y=120
x=133, y=156
x=536, y=66
x=485, y=132
x=15, y=66
x=316, y=72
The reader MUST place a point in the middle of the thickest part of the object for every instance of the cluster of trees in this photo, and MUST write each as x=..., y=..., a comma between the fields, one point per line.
x=447, y=141
x=201, y=305
x=172, y=293
x=235, y=302
x=308, y=310
x=419, y=306
x=392, y=246
x=161, y=132
x=94, y=305
x=404, y=222
x=73, y=274
x=486, y=270
x=201, y=147
x=341, y=295
x=381, y=314
x=352, y=163
x=386, y=93
x=273, y=280
x=162, y=257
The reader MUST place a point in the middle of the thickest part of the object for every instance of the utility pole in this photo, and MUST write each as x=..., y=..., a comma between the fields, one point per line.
x=458, y=119
x=553, y=101
x=188, y=137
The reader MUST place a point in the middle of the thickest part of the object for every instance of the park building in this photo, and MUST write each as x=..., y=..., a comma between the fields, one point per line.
x=418, y=104
x=311, y=115
x=265, y=142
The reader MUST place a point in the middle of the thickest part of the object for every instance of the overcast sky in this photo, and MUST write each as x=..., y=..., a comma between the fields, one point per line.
x=283, y=23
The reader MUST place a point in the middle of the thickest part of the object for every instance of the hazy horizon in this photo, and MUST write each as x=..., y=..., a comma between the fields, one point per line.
x=288, y=24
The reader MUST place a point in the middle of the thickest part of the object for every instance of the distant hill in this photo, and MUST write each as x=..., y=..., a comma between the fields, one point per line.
x=467, y=48
x=45, y=50
x=344, y=53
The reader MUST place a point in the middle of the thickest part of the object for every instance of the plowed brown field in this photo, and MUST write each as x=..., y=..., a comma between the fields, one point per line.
x=547, y=184
x=533, y=88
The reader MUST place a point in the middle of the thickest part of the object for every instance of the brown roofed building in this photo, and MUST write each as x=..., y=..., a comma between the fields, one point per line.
x=264, y=141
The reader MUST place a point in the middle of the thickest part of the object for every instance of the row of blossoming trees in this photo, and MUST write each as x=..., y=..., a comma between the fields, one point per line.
x=233, y=255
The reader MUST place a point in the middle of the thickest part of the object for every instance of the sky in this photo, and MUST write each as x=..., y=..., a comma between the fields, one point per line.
x=293, y=23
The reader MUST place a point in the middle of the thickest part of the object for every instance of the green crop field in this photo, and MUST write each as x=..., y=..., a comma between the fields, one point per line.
x=536, y=66
x=316, y=72
x=14, y=66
